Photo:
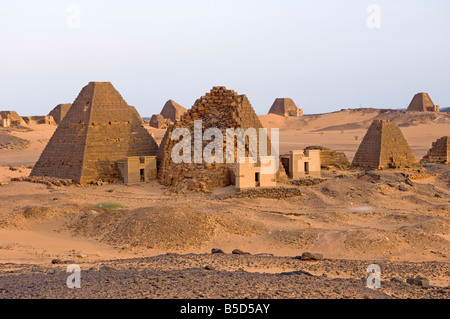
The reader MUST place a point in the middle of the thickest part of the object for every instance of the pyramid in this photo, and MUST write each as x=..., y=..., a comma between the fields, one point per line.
x=98, y=130
x=285, y=107
x=59, y=112
x=172, y=110
x=14, y=118
x=384, y=146
x=422, y=103
x=222, y=109
x=439, y=152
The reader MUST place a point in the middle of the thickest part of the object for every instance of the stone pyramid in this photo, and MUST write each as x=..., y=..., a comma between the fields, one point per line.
x=15, y=118
x=285, y=107
x=422, y=103
x=59, y=112
x=222, y=109
x=172, y=110
x=384, y=146
x=439, y=152
x=98, y=130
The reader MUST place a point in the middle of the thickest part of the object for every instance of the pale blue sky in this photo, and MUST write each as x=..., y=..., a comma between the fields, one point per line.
x=320, y=53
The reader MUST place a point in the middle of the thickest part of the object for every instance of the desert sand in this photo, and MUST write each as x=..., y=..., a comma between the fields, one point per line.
x=164, y=240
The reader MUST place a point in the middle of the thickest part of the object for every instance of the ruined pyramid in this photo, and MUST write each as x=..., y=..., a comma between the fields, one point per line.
x=439, y=152
x=422, y=103
x=222, y=109
x=285, y=107
x=384, y=146
x=98, y=130
x=172, y=110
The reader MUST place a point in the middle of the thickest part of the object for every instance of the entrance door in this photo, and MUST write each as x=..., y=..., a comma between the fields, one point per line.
x=307, y=168
x=257, y=180
x=142, y=171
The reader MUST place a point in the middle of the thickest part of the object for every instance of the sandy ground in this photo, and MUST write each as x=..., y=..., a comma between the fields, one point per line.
x=352, y=218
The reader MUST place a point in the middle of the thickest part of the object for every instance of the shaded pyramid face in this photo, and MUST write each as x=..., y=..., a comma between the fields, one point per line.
x=283, y=107
x=222, y=109
x=98, y=130
x=384, y=146
x=439, y=152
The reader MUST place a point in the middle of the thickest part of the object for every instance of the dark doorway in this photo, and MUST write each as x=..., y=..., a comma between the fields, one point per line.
x=307, y=168
x=257, y=180
x=142, y=175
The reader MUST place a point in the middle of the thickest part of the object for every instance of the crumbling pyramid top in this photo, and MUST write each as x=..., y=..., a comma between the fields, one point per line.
x=98, y=130
x=422, y=103
x=222, y=109
x=172, y=110
x=384, y=146
x=439, y=152
x=285, y=107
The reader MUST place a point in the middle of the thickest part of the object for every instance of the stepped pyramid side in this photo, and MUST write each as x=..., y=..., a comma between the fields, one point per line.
x=368, y=154
x=98, y=130
x=439, y=152
x=384, y=146
x=222, y=109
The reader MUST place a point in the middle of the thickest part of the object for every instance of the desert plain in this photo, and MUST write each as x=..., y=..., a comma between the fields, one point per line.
x=157, y=243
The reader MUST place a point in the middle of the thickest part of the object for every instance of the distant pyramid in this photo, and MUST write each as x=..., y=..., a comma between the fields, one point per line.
x=384, y=146
x=439, y=152
x=422, y=103
x=172, y=110
x=13, y=117
x=59, y=112
x=285, y=107
x=98, y=130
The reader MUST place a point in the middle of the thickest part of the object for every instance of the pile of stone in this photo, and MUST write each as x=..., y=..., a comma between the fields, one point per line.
x=272, y=193
x=308, y=181
x=49, y=181
x=330, y=159
x=439, y=152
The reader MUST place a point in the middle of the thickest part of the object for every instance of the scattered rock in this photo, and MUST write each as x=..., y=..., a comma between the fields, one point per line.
x=208, y=267
x=310, y=256
x=217, y=251
x=3, y=184
x=398, y=280
x=239, y=252
x=402, y=188
x=408, y=182
x=106, y=268
x=62, y=262
x=419, y=281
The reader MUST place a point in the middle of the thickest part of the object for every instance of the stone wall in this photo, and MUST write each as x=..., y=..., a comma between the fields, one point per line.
x=330, y=158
